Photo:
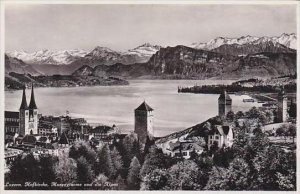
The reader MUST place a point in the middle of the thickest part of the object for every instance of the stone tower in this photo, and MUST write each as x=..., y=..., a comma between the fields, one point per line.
x=23, y=115
x=33, y=114
x=282, y=113
x=143, y=116
x=225, y=103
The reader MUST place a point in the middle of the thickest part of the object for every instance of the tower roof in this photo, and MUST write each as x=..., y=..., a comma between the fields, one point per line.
x=144, y=106
x=32, y=104
x=24, y=101
x=63, y=139
x=224, y=95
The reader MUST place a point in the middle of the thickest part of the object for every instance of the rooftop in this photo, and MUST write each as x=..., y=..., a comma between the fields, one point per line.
x=145, y=107
x=11, y=114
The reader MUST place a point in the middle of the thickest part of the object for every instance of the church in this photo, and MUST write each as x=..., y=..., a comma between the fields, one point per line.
x=26, y=120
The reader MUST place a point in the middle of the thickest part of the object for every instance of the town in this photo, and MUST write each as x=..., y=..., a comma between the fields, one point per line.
x=120, y=159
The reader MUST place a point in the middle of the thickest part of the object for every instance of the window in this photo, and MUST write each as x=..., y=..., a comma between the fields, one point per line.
x=217, y=137
x=184, y=153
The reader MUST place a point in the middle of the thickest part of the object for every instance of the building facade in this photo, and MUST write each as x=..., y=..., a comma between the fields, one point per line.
x=12, y=121
x=221, y=136
x=282, y=113
x=143, y=127
x=225, y=103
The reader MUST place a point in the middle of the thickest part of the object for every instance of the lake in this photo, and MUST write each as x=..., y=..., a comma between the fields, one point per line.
x=115, y=104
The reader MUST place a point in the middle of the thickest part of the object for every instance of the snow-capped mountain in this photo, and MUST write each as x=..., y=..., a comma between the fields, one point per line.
x=288, y=40
x=145, y=50
x=106, y=55
x=49, y=57
x=103, y=53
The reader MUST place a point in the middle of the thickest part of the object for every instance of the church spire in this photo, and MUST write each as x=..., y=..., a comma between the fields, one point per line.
x=32, y=104
x=24, y=101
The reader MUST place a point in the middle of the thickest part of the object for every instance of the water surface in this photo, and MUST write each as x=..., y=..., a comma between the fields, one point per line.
x=115, y=104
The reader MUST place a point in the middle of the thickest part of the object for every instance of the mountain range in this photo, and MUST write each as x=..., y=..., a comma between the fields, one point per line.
x=65, y=57
x=288, y=40
x=230, y=58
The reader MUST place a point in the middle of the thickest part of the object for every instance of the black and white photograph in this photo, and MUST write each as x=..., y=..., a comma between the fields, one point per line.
x=149, y=96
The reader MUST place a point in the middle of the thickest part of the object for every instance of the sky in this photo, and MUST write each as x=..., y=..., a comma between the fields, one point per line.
x=121, y=27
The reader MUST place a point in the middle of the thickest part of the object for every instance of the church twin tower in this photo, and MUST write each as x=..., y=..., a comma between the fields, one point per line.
x=28, y=115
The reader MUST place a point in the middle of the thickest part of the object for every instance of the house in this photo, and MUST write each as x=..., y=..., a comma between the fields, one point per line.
x=10, y=154
x=184, y=149
x=101, y=132
x=11, y=120
x=47, y=129
x=221, y=135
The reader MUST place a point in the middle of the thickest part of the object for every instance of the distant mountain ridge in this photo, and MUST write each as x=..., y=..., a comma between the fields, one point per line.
x=183, y=62
x=246, y=56
x=48, y=57
x=108, y=56
x=288, y=40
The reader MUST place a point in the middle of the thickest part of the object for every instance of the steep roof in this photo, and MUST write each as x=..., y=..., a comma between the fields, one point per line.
x=32, y=104
x=63, y=139
x=220, y=129
x=11, y=114
x=24, y=101
x=224, y=95
x=144, y=106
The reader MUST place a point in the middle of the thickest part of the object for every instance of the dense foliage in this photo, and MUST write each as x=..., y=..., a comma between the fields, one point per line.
x=252, y=163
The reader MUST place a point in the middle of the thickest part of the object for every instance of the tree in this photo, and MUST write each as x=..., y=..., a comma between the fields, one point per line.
x=239, y=115
x=155, y=180
x=292, y=131
x=127, y=144
x=293, y=110
x=217, y=179
x=121, y=183
x=154, y=160
x=230, y=116
x=147, y=147
x=133, y=179
x=100, y=182
x=280, y=131
x=236, y=177
x=25, y=168
x=184, y=176
x=136, y=150
x=83, y=149
x=105, y=164
x=84, y=171
x=47, y=169
x=117, y=160
x=273, y=168
x=253, y=113
x=257, y=129
x=65, y=169
x=223, y=157
x=283, y=130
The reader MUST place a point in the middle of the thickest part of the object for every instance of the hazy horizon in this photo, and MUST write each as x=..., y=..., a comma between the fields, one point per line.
x=122, y=27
